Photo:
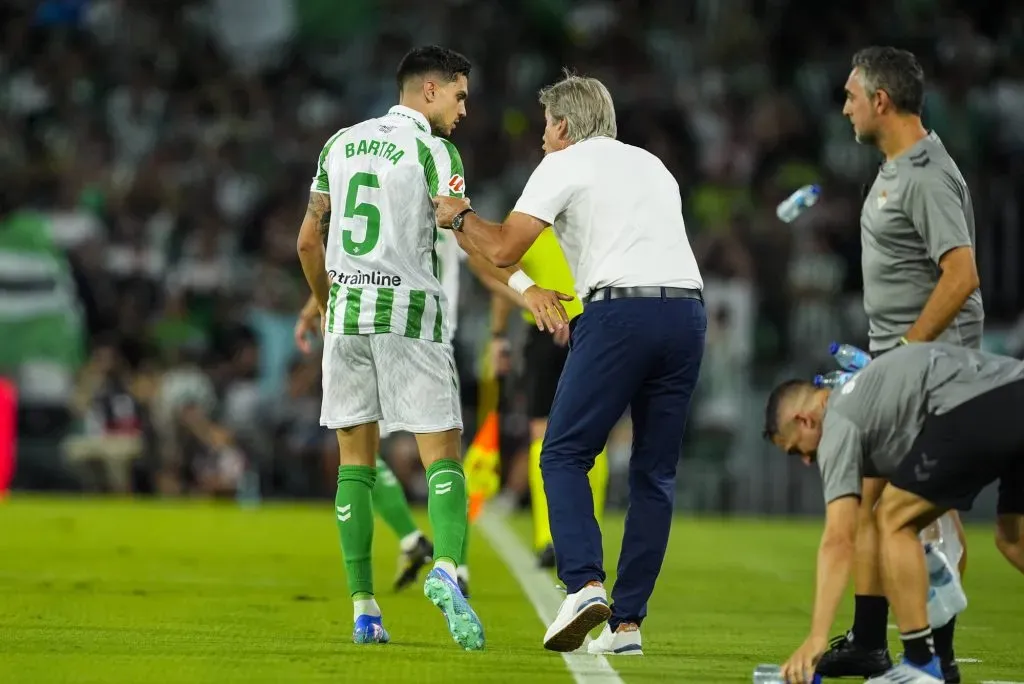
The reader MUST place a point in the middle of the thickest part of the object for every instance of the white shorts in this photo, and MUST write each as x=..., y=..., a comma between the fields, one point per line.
x=401, y=382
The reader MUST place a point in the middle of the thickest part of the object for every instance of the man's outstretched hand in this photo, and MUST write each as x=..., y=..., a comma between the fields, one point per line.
x=547, y=309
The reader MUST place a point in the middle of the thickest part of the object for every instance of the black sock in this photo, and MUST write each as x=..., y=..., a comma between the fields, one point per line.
x=944, y=640
x=918, y=646
x=870, y=618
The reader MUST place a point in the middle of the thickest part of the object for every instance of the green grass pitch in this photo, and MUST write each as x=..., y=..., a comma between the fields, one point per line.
x=106, y=591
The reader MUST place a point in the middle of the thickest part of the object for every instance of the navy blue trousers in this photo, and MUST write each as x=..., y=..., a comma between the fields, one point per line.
x=644, y=354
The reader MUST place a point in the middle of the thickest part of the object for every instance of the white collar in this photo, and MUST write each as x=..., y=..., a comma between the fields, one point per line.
x=409, y=113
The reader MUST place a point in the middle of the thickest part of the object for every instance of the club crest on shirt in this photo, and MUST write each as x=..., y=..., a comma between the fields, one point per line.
x=883, y=197
x=456, y=183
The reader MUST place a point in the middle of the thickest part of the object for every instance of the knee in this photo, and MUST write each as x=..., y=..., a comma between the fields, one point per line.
x=657, y=488
x=561, y=460
x=889, y=519
x=1010, y=535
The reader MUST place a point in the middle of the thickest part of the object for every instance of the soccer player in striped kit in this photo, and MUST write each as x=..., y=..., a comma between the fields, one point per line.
x=388, y=356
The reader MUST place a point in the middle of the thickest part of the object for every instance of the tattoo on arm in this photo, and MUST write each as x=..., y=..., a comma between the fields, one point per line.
x=319, y=209
x=325, y=225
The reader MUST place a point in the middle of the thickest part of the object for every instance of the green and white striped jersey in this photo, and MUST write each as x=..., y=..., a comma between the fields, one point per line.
x=382, y=255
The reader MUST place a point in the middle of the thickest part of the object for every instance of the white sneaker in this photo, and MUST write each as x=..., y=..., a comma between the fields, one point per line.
x=906, y=674
x=578, y=614
x=625, y=642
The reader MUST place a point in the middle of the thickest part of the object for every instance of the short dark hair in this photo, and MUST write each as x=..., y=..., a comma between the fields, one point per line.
x=431, y=59
x=895, y=71
x=771, y=411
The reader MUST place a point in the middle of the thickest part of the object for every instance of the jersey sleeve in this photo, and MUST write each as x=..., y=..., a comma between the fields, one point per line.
x=840, y=458
x=321, y=182
x=442, y=167
x=548, y=192
x=935, y=204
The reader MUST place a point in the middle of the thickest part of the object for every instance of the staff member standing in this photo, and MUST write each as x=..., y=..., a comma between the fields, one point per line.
x=544, y=356
x=920, y=284
x=616, y=212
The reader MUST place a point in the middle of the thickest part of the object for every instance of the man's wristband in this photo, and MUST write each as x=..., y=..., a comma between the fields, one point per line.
x=903, y=341
x=520, y=282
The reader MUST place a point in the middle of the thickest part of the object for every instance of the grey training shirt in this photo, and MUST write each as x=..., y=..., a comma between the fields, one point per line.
x=918, y=209
x=871, y=422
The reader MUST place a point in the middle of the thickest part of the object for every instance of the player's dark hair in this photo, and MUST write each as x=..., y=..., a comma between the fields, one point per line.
x=895, y=71
x=771, y=411
x=432, y=59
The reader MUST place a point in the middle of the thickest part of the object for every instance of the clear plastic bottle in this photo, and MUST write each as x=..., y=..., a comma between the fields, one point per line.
x=832, y=379
x=772, y=674
x=946, y=597
x=248, y=495
x=797, y=203
x=849, y=357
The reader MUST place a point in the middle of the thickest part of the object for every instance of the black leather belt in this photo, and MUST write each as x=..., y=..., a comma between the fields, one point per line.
x=643, y=291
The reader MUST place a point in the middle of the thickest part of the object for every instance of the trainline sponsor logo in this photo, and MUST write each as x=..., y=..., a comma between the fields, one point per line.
x=375, y=278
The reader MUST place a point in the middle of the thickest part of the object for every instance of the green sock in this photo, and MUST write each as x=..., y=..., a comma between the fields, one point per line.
x=389, y=502
x=464, y=559
x=446, y=506
x=354, y=512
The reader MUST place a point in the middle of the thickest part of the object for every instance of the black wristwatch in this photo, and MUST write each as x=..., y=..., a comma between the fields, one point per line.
x=459, y=218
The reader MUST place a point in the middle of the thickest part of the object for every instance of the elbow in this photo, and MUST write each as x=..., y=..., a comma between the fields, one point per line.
x=306, y=246
x=504, y=256
x=504, y=261
x=972, y=282
x=841, y=544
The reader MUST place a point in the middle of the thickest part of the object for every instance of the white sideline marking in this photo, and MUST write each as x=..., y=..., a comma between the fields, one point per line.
x=539, y=588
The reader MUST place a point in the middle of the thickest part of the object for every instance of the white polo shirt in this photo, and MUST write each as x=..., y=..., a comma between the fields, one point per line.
x=617, y=214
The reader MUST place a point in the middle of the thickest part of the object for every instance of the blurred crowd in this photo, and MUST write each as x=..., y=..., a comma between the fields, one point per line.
x=155, y=160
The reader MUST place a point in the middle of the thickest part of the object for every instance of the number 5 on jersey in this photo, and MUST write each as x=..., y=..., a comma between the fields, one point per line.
x=367, y=210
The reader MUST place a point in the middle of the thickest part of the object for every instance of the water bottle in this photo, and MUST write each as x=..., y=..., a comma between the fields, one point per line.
x=849, y=357
x=832, y=379
x=772, y=674
x=797, y=203
x=248, y=492
x=946, y=597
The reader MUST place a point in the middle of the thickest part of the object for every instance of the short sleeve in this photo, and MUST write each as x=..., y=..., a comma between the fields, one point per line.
x=442, y=167
x=548, y=192
x=840, y=458
x=936, y=206
x=451, y=173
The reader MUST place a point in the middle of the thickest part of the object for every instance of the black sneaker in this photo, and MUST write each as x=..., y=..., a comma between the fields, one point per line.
x=546, y=558
x=847, y=658
x=411, y=562
x=950, y=670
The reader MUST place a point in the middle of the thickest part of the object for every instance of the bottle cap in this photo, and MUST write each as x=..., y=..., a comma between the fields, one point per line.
x=833, y=348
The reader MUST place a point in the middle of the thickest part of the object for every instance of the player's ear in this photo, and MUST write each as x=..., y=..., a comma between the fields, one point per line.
x=429, y=90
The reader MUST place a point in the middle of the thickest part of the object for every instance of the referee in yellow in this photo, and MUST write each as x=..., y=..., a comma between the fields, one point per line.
x=544, y=355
